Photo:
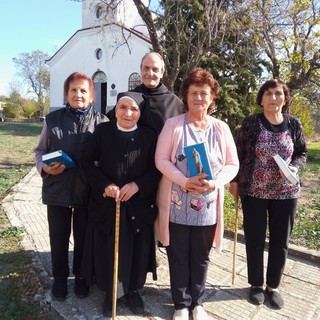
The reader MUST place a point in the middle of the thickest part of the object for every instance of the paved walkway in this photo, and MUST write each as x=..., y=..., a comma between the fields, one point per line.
x=300, y=285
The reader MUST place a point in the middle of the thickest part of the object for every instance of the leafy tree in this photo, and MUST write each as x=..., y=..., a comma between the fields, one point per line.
x=30, y=108
x=14, y=105
x=35, y=73
x=300, y=108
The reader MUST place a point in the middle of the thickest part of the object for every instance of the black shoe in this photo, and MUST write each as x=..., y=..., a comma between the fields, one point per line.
x=275, y=298
x=135, y=302
x=107, y=307
x=59, y=289
x=81, y=290
x=256, y=295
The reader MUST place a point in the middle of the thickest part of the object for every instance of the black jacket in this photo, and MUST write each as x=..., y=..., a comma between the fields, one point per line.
x=121, y=165
x=161, y=104
x=69, y=133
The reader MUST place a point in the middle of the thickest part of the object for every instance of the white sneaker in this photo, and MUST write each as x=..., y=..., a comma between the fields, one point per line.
x=199, y=313
x=181, y=314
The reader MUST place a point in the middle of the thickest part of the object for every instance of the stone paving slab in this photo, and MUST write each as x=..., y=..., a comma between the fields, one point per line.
x=300, y=286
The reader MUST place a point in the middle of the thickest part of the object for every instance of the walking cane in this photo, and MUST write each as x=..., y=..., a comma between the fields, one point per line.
x=235, y=240
x=115, y=261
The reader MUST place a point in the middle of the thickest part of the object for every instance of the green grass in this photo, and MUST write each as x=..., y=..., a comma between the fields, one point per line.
x=306, y=231
x=19, y=282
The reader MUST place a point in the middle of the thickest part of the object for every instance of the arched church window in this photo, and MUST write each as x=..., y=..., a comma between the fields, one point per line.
x=134, y=80
x=99, y=76
x=99, y=53
x=99, y=12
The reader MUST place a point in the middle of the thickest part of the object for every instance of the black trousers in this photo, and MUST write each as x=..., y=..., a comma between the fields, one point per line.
x=60, y=220
x=279, y=216
x=188, y=256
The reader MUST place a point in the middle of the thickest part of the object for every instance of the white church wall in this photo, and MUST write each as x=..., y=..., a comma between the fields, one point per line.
x=125, y=12
x=78, y=54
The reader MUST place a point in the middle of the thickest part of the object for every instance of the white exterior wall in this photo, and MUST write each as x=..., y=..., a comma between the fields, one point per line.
x=126, y=13
x=118, y=61
x=78, y=54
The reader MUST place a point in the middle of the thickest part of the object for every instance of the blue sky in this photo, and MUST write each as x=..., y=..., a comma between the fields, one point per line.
x=28, y=25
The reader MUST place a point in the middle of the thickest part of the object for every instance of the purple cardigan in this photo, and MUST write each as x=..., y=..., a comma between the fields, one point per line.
x=168, y=141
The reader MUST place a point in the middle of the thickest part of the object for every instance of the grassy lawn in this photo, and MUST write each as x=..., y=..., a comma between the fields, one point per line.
x=18, y=275
x=18, y=281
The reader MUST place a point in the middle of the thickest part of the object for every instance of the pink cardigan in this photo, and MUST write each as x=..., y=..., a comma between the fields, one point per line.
x=165, y=162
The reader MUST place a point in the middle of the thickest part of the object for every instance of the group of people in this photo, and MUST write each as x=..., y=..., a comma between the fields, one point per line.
x=134, y=157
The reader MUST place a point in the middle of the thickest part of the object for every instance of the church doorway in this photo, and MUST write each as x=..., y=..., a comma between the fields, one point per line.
x=100, y=86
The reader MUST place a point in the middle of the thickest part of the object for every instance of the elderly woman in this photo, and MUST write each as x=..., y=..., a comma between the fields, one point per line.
x=119, y=163
x=267, y=197
x=65, y=191
x=190, y=216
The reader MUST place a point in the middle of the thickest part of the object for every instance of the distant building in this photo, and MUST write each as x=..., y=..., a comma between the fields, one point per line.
x=108, y=48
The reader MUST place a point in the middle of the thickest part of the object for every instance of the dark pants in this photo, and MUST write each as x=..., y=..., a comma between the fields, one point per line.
x=60, y=220
x=188, y=256
x=279, y=216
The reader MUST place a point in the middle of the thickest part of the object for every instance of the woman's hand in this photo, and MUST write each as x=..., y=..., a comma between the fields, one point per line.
x=127, y=191
x=198, y=184
x=291, y=168
x=54, y=169
x=123, y=194
x=112, y=191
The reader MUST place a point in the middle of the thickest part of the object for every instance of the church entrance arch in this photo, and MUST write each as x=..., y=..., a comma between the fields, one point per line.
x=100, y=86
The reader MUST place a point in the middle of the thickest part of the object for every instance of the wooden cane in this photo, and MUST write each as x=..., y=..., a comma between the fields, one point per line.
x=115, y=261
x=235, y=240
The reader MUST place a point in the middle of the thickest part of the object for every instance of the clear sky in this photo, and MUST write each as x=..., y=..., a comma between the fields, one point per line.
x=29, y=25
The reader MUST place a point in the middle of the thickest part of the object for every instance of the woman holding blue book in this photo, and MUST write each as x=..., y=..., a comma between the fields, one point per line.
x=66, y=191
x=190, y=218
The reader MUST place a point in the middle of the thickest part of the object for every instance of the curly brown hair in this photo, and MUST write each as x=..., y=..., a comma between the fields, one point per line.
x=199, y=77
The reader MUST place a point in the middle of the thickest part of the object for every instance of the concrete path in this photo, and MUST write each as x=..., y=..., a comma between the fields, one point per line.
x=300, y=286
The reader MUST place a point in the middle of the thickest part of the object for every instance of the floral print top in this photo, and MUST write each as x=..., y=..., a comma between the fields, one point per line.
x=252, y=136
x=189, y=208
x=267, y=183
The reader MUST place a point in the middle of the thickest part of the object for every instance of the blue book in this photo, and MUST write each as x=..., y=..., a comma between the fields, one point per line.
x=58, y=156
x=198, y=160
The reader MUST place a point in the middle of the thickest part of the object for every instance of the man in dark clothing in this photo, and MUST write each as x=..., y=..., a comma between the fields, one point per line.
x=161, y=104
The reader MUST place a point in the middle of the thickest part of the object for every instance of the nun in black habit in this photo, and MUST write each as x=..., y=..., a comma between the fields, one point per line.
x=119, y=163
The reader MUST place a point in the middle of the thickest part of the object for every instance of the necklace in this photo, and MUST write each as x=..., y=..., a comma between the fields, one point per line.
x=199, y=134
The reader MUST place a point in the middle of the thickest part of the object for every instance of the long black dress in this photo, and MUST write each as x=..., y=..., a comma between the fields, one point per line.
x=123, y=157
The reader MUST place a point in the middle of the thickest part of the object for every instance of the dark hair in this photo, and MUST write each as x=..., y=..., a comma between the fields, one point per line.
x=199, y=77
x=78, y=76
x=273, y=83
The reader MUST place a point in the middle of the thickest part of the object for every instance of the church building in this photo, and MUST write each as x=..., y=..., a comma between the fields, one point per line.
x=108, y=48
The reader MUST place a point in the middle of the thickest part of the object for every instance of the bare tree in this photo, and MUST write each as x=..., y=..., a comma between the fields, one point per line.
x=287, y=32
x=34, y=71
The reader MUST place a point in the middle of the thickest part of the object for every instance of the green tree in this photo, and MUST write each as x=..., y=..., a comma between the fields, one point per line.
x=30, y=108
x=300, y=108
x=14, y=103
x=35, y=73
